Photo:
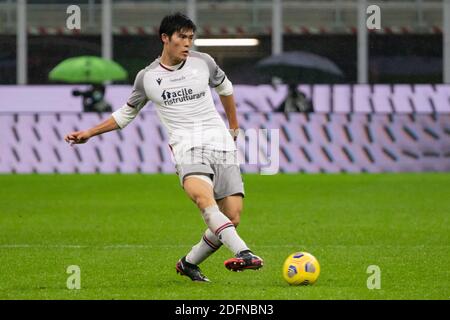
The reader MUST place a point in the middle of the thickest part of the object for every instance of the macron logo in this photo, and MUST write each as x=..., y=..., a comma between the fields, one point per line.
x=159, y=81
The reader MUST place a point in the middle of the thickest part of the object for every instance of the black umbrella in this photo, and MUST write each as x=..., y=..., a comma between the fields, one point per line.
x=301, y=67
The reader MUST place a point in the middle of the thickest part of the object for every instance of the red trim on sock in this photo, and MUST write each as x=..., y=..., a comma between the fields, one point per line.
x=208, y=242
x=221, y=228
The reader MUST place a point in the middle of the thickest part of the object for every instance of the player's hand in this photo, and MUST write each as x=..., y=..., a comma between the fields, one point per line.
x=77, y=137
x=234, y=133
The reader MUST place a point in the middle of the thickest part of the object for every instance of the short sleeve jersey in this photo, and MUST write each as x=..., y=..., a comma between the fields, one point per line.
x=184, y=103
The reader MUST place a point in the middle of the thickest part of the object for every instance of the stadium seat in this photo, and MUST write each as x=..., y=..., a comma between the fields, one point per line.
x=422, y=98
x=442, y=98
x=341, y=98
x=361, y=98
x=321, y=97
x=402, y=99
x=382, y=99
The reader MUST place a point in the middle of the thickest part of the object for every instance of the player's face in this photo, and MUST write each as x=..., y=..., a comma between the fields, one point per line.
x=179, y=44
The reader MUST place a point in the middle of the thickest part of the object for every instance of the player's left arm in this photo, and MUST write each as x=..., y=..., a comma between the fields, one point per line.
x=229, y=106
x=224, y=88
x=225, y=92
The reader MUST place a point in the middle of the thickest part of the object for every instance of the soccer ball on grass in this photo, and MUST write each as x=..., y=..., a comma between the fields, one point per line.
x=301, y=268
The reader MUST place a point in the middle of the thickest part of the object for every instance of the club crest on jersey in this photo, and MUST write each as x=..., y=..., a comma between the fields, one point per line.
x=181, y=95
x=159, y=81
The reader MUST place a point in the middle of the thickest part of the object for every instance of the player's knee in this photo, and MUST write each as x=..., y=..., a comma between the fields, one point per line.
x=235, y=220
x=202, y=201
x=235, y=216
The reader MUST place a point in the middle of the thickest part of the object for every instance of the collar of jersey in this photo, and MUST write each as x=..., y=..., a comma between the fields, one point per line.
x=180, y=65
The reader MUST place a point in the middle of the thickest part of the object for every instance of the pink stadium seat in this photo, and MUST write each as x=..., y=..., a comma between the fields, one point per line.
x=320, y=158
x=358, y=128
x=442, y=98
x=274, y=95
x=321, y=96
x=421, y=98
x=362, y=157
x=306, y=89
x=341, y=97
x=381, y=98
x=6, y=142
x=401, y=98
x=361, y=98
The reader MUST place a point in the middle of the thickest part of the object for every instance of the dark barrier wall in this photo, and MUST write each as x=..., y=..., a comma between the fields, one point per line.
x=7, y=59
x=393, y=58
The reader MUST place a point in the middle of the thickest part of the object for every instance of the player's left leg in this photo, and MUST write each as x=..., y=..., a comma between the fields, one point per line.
x=229, y=187
x=231, y=207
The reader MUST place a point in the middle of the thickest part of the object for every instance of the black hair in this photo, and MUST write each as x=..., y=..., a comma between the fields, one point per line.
x=175, y=23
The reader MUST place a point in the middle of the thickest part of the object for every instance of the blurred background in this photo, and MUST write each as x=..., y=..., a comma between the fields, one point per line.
x=345, y=97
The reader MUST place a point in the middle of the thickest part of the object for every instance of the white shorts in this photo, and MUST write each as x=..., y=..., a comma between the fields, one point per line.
x=221, y=166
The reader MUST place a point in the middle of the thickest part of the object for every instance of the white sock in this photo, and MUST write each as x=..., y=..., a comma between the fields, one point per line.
x=224, y=229
x=202, y=250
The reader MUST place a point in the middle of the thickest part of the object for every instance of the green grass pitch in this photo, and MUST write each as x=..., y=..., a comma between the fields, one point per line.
x=126, y=233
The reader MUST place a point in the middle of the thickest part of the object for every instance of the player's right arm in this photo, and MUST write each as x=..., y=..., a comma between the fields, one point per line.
x=119, y=119
x=78, y=137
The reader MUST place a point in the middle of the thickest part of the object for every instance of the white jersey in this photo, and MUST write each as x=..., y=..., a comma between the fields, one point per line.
x=184, y=103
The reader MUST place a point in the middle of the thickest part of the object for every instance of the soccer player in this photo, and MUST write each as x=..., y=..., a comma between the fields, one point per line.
x=204, y=150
